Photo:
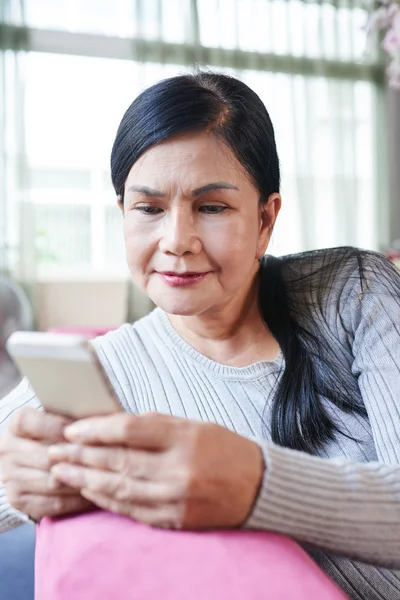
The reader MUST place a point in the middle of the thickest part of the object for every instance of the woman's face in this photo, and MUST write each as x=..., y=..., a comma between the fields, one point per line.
x=194, y=228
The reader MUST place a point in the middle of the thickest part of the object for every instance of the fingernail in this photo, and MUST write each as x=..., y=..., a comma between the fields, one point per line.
x=76, y=431
x=58, y=452
x=67, y=471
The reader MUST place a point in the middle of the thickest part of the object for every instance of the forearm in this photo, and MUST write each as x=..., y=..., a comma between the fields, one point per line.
x=335, y=505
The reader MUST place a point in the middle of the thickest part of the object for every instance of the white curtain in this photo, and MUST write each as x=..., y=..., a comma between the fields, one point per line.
x=85, y=63
x=17, y=214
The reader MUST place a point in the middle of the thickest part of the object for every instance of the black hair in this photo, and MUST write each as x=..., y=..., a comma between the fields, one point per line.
x=312, y=373
x=230, y=110
x=222, y=105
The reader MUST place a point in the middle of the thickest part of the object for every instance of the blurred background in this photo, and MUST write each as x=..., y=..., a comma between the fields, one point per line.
x=69, y=70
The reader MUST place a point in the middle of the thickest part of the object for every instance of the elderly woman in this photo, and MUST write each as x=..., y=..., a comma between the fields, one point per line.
x=256, y=389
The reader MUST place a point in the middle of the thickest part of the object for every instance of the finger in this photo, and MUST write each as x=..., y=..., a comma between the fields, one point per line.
x=150, y=431
x=35, y=481
x=166, y=517
x=28, y=453
x=119, y=487
x=137, y=463
x=31, y=423
x=37, y=506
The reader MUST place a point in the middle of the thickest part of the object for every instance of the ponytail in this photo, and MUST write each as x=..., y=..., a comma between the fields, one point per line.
x=299, y=419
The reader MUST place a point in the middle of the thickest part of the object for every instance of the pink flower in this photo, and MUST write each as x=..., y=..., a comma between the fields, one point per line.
x=387, y=17
x=378, y=20
x=392, y=10
x=382, y=18
x=391, y=42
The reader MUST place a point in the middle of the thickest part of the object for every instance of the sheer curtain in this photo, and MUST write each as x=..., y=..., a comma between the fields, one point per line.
x=86, y=61
x=17, y=214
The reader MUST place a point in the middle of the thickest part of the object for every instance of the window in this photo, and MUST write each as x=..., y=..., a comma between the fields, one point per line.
x=302, y=58
x=70, y=128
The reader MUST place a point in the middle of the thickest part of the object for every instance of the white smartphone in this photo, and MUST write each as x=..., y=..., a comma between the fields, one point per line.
x=64, y=372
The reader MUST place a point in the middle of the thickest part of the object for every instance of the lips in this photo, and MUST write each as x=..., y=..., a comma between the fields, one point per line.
x=180, y=279
x=184, y=274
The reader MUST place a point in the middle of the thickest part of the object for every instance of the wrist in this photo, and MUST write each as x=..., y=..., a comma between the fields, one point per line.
x=256, y=478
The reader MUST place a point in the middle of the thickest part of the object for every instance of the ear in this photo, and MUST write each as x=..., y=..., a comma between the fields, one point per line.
x=120, y=204
x=268, y=215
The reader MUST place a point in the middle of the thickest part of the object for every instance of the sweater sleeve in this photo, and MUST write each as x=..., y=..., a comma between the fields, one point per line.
x=342, y=506
x=22, y=395
x=335, y=505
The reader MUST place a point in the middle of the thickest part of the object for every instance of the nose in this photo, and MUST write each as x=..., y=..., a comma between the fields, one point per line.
x=179, y=234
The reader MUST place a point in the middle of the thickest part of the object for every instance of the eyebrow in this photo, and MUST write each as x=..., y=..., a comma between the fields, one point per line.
x=146, y=191
x=205, y=189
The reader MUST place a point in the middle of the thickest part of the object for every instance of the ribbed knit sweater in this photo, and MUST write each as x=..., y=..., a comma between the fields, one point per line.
x=342, y=505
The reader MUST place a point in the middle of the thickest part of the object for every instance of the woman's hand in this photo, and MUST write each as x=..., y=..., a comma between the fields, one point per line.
x=25, y=466
x=162, y=470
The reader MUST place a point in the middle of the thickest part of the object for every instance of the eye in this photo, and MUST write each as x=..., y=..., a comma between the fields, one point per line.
x=213, y=209
x=148, y=210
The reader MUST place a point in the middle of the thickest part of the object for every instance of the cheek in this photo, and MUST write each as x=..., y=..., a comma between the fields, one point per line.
x=140, y=244
x=233, y=241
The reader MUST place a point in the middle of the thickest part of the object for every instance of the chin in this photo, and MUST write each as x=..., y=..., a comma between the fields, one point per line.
x=185, y=305
x=184, y=301
x=181, y=309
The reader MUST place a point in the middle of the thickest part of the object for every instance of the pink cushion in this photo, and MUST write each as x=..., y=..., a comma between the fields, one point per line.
x=102, y=556
x=87, y=331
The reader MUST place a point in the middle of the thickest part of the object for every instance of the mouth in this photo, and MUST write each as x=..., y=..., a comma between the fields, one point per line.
x=181, y=279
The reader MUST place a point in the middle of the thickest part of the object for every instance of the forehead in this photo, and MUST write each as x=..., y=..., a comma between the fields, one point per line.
x=188, y=157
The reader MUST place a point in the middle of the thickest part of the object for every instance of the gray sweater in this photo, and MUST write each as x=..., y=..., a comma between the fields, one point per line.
x=343, y=505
